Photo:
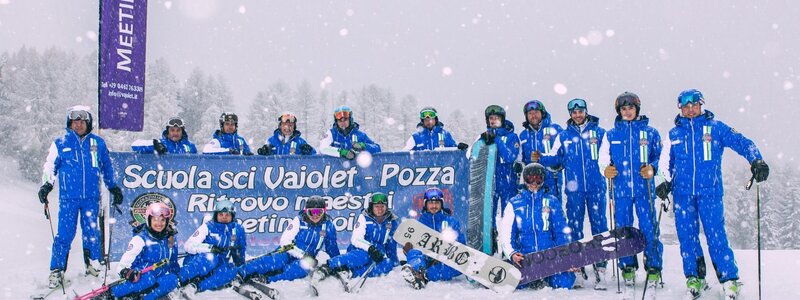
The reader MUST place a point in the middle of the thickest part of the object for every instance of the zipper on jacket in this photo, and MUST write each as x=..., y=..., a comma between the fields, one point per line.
x=630, y=150
x=583, y=160
x=694, y=167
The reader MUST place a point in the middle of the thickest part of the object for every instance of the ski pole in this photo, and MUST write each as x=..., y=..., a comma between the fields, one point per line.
x=758, y=226
x=359, y=282
x=104, y=288
x=613, y=227
x=53, y=235
x=655, y=230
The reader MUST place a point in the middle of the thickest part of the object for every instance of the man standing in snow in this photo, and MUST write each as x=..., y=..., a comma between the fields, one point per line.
x=345, y=139
x=78, y=159
x=431, y=134
x=695, y=164
x=174, y=139
x=226, y=139
x=537, y=137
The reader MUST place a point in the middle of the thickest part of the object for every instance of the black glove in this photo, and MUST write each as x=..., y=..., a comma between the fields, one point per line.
x=265, y=150
x=663, y=189
x=462, y=146
x=116, y=195
x=306, y=149
x=375, y=254
x=234, y=151
x=518, y=166
x=360, y=146
x=347, y=153
x=44, y=191
x=247, y=153
x=130, y=274
x=760, y=170
x=159, y=147
x=488, y=137
x=218, y=250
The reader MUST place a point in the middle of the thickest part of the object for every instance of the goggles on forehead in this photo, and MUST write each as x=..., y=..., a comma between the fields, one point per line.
x=314, y=211
x=693, y=98
x=427, y=114
x=534, y=105
x=288, y=118
x=175, y=122
x=576, y=104
x=79, y=115
x=379, y=199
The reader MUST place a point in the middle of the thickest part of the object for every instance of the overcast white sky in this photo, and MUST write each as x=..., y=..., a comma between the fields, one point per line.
x=469, y=54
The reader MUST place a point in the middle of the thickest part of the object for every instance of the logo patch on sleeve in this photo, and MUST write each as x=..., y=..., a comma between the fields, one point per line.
x=196, y=233
x=130, y=246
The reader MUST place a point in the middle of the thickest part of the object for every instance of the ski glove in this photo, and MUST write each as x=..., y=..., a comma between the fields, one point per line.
x=663, y=189
x=130, y=274
x=218, y=250
x=375, y=254
x=306, y=149
x=760, y=170
x=488, y=137
x=44, y=191
x=116, y=195
x=462, y=146
x=265, y=150
x=234, y=151
x=347, y=153
x=159, y=147
x=518, y=166
x=360, y=146
x=610, y=172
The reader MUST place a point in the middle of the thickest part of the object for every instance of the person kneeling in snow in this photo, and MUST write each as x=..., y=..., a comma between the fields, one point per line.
x=420, y=268
x=371, y=242
x=534, y=221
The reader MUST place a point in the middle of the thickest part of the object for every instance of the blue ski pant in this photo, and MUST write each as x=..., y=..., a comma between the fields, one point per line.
x=563, y=280
x=69, y=210
x=709, y=210
x=213, y=272
x=286, y=266
x=577, y=205
x=358, y=261
x=156, y=286
x=435, y=272
x=646, y=214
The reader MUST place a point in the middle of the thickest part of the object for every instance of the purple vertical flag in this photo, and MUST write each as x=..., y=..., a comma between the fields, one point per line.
x=123, y=32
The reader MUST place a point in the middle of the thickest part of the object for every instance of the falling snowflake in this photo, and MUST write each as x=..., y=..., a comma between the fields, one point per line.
x=343, y=32
x=242, y=9
x=560, y=88
x=447, y=71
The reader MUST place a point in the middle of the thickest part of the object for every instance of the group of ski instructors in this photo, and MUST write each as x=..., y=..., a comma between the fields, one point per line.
x=533, y=170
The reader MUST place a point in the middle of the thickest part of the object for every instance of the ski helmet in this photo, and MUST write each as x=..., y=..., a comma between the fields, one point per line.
x=533, y=173
x=287, y=117
x=433, y=194
x=157, y=209
x=80, y=112
x=534, y=105
x=224, y=205
x=228, y=117
x=377, y=198
x=343, y=111
x=628, y=99
x=577, y=103
x=175, y=122
x=315, y=205
x=495, y=110
x=428, y=112
x=690, y=97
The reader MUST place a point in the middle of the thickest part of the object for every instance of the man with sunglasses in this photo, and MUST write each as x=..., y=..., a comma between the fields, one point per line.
x=174, y=139
x=534, y=221
x=431, y=134
x=536, y=138
x=578, y=149
x=77, y=159
x=634, y=150
x=420, y=268
x=300, y=243
x=227, y=139
x=371, y=242
x=345, y=139
x=286, y=139
x=695, y=164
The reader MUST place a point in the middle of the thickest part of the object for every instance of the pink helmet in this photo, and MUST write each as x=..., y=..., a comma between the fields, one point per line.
x=157, y=209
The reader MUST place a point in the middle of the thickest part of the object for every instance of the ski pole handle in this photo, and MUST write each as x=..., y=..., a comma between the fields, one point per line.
x=46, y=212
x=116, y=208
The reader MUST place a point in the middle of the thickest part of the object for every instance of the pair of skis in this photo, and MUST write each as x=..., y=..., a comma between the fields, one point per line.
x=353, y=286
x=251, y=290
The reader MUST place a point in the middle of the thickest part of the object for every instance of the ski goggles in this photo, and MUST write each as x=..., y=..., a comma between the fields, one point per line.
x=315, y=211
x=690, y=98
x=379, y=198
x=533, y=105
x=427, y=114
x=434, y=194
x=159, y=210
x=627, y=100
x=287, y=118
x=175, y=122
x=79, y=115
x=230, y=118
x=576, y=103
x=339, y=115
x=534, y=178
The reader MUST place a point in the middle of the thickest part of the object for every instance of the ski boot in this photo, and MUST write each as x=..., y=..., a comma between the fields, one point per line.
x=696, y=286
x=600, y=283
x=55, y=279
x=731, y=289
x=417, y=279
x=653, y=278
x=321, y=273
x=580, y=279
x=93, y=268
x=629, y=276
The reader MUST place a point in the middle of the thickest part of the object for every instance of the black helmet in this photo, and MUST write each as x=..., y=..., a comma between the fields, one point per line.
x=533, y=173
x=628, y=98
x=315, y=202
x=494, y=110
x=228, y=117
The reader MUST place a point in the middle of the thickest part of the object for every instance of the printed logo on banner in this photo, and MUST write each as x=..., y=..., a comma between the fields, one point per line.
x=139, y=207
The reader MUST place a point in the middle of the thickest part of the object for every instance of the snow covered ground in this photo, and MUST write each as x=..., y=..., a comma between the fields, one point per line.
x=25, y=258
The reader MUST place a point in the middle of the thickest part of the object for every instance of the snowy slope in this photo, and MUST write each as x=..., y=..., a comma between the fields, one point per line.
x=25, y=257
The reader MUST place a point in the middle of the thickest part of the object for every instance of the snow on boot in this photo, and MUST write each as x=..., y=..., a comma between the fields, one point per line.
x=93, y=268
x=345, y=274
x=629, y=276
x=731, y=289
x=600, y=283
x=55, y=279
x=321, y=273
x=653, y=277
x=189, y=291
x=696, y=287
x=580, y=279
x=417, y=279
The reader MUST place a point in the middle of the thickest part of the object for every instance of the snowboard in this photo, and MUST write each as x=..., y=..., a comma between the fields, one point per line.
x=482, y=161
x=620, y=242
x=491, y=272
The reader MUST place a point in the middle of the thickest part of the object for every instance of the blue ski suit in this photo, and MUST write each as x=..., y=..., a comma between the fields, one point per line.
x=577, y=148
x=505, y=180
x=541, y=140
x=301, y=238
x=368, y=232
x=213, y=270
x=225, y=143
x=78, y=163
x=695, y=164
x=336, y=139
x=631, y=145
x=535, y=222
x=281, y=145
x=179, y=147
x=145, y=249
x=433, y=269
x=429, y=139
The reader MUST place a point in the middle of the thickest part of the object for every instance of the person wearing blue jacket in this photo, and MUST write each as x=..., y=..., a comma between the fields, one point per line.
x=286, y=139
x=578, y=149
x=226, y=139
x=152, y=243
x=431, y=134
x=216, y=250
x=537, y=138
x=345, y=139
x=420, y=268
x=634, y=150
x=174, y=139
x=370, y=242
x=300, y=243
x=695, y=164
x=77, y=159
x=534, y=221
